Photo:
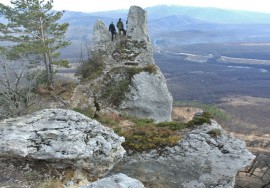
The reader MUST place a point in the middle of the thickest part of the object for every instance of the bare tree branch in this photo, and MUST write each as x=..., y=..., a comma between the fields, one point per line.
x=16, y=90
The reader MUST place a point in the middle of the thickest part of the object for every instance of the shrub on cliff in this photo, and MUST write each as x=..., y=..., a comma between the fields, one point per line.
x=91, y=68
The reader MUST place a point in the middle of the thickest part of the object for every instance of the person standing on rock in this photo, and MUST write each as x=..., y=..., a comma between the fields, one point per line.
x=120, y=27
x=112, y=29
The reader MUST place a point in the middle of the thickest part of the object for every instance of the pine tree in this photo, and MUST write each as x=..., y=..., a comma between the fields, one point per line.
x=34, y=31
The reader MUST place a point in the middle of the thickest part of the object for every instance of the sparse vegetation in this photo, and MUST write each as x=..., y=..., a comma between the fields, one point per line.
x=51, y=183
x=174, y=125
x=199, y=120
x=111, y=88
x=142, y=121
x=146, y=135
x=111, y=120
x=117, y=82
x=31, y=175
x=214, y=132
x=115, y=88
x=217, y=113
x=143, y=138
x=91, y=68
x=151, y=68
x=143, y=134
x=87, y=112
x=16, y=88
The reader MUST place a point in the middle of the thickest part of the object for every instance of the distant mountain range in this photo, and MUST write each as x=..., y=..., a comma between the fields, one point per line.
x=214, y=15
x=171, y=26
x=174, y=18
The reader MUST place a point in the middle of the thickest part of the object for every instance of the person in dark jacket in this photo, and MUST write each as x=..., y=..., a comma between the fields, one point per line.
x=112, y=30
x=120, y=27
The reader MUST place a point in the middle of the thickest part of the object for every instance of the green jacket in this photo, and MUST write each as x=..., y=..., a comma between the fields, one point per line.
x=120, y=25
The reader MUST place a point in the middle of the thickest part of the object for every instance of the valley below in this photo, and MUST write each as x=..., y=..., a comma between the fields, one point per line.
x=240, y=89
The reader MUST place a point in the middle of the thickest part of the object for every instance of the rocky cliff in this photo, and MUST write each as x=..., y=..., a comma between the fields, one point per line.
x=130, y=81
x=206, y=157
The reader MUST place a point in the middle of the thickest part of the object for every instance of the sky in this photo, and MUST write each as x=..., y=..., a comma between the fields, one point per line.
x=101, y=5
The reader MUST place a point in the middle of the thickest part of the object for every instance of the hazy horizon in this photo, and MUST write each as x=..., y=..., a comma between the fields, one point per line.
x=96, y=6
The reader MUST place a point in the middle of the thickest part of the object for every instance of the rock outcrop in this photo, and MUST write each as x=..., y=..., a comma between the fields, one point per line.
x=116, y=181
x=147, y=97
x=129, y=70
x=206, y=157
x=62, y=138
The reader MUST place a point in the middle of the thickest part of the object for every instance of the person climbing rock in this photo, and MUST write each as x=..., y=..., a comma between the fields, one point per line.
x=112, y=29
x=120, y=26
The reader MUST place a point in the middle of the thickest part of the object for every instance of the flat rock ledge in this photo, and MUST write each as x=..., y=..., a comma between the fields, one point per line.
x=63, y=139
x=116, y=181
x=206, y=157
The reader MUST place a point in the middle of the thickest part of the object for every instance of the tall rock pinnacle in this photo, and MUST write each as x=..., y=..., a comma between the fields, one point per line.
x=129, y=58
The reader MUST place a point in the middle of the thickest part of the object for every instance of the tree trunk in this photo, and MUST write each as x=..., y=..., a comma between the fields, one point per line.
x=47, y=58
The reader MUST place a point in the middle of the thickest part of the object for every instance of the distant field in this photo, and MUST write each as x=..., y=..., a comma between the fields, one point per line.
x=249, y=115
x=209, y=82
x=237, y=50
x=225, y=85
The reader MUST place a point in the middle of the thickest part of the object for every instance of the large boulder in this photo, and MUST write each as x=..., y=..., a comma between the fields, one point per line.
x=206, y=157
x=62, y=138
x=116, y=181
x=130, y=58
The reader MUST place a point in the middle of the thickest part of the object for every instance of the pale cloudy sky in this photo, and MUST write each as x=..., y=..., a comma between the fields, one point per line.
x=101, y=5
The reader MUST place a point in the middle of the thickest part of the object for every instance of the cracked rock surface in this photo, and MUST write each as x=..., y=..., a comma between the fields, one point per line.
x=201, y=159
x=63, y=138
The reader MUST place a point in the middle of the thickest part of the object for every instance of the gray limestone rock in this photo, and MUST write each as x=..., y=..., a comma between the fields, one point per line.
x=101, y=42
x=63, y=138
x=148, y=98
x=137, y=31
x=116, y=181
x=147, y=95
x=201, y=159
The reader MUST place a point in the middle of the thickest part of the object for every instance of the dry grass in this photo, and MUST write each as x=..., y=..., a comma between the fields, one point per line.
x=143, y=138
x=184, y=114
x=143, y=134
x=51, y=184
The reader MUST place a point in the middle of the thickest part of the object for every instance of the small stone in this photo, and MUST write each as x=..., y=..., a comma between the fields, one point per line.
x=116, y=181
